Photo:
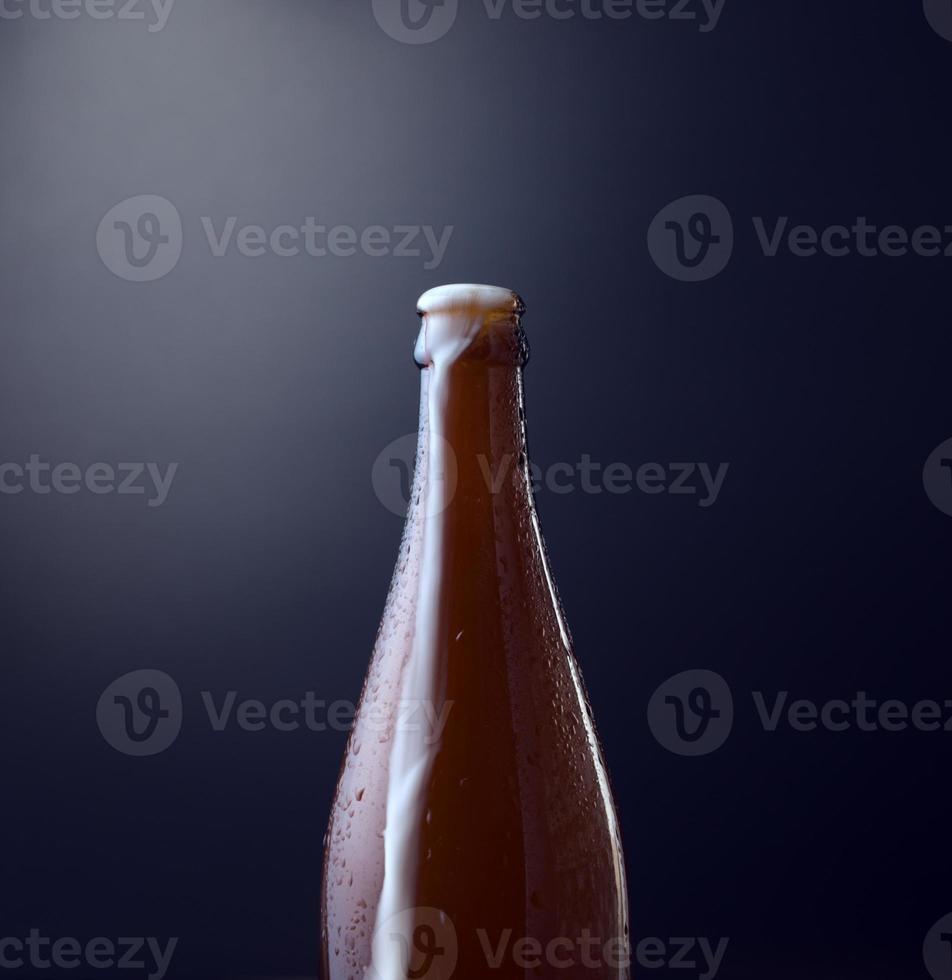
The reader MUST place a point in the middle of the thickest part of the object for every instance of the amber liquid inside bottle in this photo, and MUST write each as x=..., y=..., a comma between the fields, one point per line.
x=473, y=833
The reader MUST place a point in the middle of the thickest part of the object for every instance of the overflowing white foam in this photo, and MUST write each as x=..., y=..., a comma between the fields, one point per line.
x=414, y=751
x=453, y=317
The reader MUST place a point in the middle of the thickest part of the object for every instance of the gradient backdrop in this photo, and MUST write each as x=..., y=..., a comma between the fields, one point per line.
x=548, y=145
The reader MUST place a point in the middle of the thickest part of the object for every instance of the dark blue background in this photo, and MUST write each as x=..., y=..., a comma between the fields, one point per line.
x=275, y=382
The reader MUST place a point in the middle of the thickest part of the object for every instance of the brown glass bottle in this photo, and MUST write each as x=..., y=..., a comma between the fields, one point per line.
x=473, y=833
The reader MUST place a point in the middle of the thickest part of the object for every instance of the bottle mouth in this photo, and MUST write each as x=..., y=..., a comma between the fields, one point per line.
x=470, y=298
x=470, y=322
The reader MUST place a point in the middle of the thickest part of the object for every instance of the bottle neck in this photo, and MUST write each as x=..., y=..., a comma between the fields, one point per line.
x=472, y=522
x=473, y=443
x=472, y=350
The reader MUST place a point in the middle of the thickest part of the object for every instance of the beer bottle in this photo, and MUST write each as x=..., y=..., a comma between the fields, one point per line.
x=473, y=833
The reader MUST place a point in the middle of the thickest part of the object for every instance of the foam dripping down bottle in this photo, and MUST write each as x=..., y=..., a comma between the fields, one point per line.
x=473, y=832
